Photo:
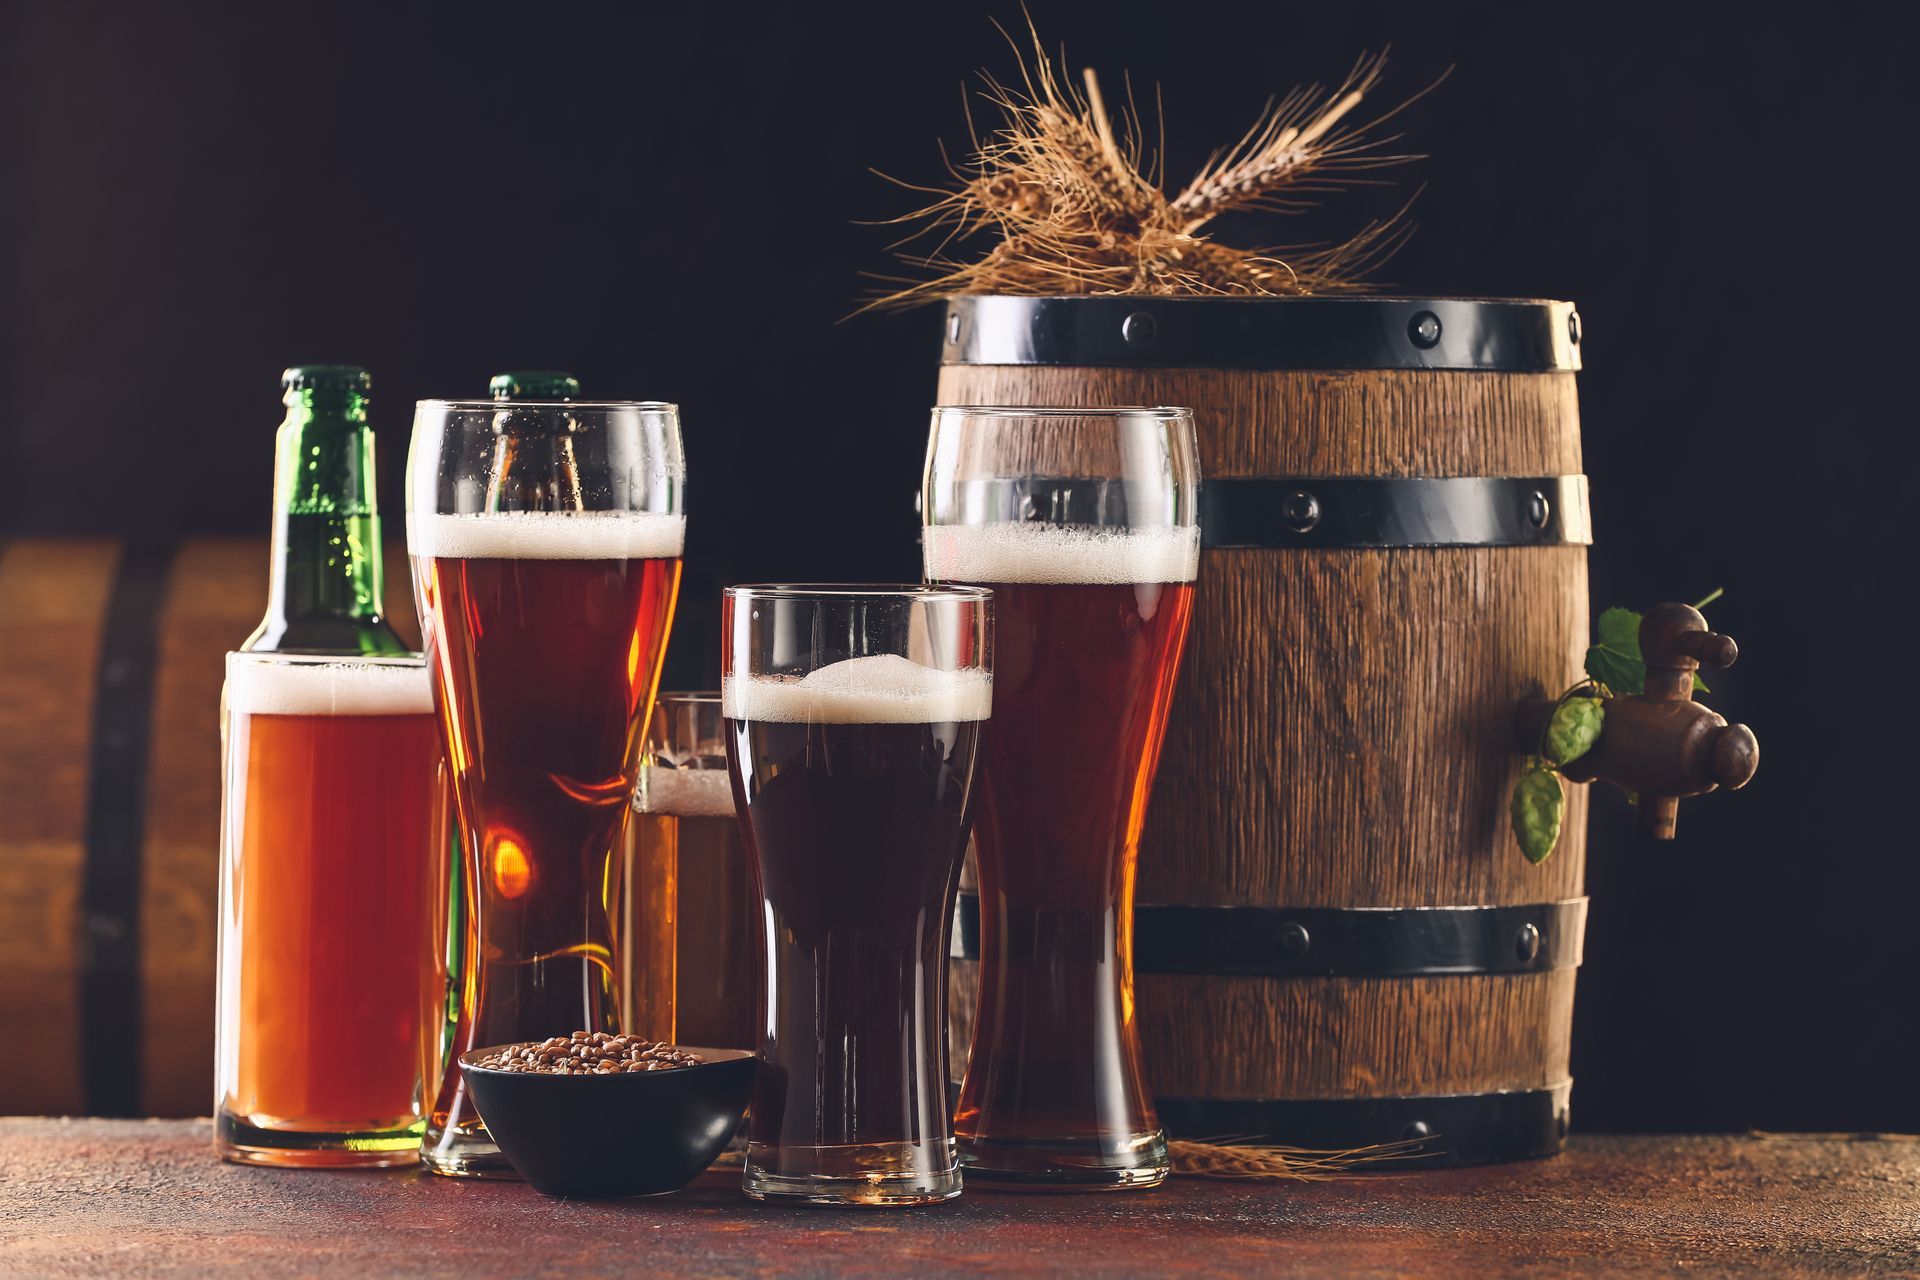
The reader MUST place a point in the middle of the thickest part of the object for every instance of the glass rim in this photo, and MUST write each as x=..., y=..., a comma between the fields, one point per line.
x=1156, y=412
x=508, y=406
x=693, y=696
x=328, y=659
x=854, y=590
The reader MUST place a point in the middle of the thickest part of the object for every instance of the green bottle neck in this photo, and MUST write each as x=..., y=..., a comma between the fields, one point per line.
x=326, y=587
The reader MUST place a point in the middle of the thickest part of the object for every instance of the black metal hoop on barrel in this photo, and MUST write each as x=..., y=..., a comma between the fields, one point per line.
x=1501, y=335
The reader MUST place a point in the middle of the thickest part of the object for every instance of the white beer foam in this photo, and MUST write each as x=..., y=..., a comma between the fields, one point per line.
x=883, y=689
x=548, y=535
x=686, y=793
x=328, y=689
x=1075, y=554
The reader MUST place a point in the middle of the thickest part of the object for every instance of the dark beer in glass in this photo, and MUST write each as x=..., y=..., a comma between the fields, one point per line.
x=853, y=717
x=546, y=541
x=1083, y=524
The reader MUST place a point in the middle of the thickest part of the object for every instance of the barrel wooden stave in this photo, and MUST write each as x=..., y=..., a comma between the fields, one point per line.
x=49, y=646
x=58, y=591
x=1353, y=1037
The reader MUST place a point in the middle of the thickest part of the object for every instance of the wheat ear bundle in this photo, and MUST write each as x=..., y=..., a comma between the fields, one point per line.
x=1245, y=1160
x=1070, y=206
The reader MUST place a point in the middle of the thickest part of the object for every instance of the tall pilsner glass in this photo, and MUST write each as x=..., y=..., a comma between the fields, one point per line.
x=546, y=540
x=853, y=716
x=1083, y=522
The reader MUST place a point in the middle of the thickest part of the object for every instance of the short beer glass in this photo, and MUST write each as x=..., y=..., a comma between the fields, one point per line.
x=853, y=715
x=1083, y=522
x=546, y=540
x=331, y=889
x=689, y=938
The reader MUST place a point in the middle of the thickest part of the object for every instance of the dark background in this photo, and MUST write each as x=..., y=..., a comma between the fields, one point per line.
x=662, y=198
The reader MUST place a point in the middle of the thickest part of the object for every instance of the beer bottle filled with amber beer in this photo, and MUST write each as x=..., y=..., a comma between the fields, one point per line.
x=331, y=843
x=325, y=589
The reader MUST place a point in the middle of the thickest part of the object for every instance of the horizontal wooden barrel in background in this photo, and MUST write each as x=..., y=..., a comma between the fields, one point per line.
x=1338, y=941
x=111, y=661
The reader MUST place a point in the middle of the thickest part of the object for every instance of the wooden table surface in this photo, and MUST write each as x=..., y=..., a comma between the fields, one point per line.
x=146, y=1198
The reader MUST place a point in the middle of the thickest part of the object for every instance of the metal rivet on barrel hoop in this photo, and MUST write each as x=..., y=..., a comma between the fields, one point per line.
x=1573, y=327
x=1424, y=330
x=1538, y=509
x=1301, y=510
x=1526, y=943
x=1293, y=940
x=1138, y=329
x=1415, y=1131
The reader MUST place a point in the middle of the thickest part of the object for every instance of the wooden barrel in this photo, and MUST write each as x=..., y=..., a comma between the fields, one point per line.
x=111, y=660
x=1338, y=941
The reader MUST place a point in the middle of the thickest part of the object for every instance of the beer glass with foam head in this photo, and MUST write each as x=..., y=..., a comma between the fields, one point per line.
x=545, y=539
x=690, y=928
x=853, y=714
x=1083, y=522
x=330, y=890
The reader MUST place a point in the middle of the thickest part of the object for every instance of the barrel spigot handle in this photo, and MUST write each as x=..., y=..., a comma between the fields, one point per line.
x=1661, y=744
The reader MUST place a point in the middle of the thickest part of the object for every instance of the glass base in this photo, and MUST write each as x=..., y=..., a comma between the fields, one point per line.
x=1067, y=1164
x=244, y=1142
x=468, y=1153
x=874, y=1175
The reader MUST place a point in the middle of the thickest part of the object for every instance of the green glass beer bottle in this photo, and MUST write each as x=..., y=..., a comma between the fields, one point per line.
x=534, y=384
x=325, y=591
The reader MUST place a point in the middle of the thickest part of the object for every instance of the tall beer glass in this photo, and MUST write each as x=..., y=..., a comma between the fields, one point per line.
x=852, y=719
x=546, y=543
x=330, y=892
x=690, y=928
x=1084, y=524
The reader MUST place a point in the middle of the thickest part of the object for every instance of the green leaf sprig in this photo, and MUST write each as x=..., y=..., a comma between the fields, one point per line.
x=1615, y=666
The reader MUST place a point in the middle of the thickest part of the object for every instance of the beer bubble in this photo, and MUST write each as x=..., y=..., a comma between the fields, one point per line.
x=1060, y=554
x=685, y=793
x=547, y=535
x=880, y=689
x=268, y=688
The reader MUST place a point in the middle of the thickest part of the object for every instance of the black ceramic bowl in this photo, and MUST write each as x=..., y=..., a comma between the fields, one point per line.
x=636, y=1133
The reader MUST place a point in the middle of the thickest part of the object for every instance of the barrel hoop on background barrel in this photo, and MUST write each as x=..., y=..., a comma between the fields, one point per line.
x=1441, y=1129
x=109, y=919
x=1502, y=335
x=1375, y=511
x=1343, y=942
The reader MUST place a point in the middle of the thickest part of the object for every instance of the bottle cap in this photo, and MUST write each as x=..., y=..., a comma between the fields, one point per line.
x=327, y=377
x=534, y=384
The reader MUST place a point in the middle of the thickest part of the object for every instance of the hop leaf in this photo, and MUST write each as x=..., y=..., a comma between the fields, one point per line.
x=1616, y=662
x=1615, y=659
x=1574, y=728
x=1536, y=808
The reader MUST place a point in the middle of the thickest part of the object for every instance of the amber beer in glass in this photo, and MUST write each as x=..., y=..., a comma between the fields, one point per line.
x=1084, y=524
x=853, y=716
x=545, y=539
x=330, y=892
x=689, y=938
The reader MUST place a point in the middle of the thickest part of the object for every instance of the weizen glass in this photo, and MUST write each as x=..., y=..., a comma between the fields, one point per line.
x=331, y=894
x=546, y=541
x=1083, y=522
x=853, y=715
x=690, y=927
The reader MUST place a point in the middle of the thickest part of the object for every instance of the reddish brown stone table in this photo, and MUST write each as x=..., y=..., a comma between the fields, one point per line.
x=146, y=1198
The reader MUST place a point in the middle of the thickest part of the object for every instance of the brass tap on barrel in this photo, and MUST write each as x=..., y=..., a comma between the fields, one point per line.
x=1661, y=744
